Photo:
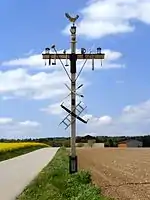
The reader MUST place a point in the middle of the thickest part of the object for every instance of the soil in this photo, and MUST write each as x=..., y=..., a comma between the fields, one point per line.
x=122, y=174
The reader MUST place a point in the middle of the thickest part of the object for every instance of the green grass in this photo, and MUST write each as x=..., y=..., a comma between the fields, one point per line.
x=17, y=152
x=55, y=183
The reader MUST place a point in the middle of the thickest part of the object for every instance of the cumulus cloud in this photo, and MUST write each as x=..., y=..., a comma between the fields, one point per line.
x=10, y=128
x=56, y=109
x=19, y=83
x=36, y=61
x=53, y=109
x=98, y=121
x=4, y=120
x=30, y=61
x=29, y=124
x=110, y=17
x=133, y=120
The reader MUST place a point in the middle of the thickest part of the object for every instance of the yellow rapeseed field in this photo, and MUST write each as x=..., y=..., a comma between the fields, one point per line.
x=12, y=146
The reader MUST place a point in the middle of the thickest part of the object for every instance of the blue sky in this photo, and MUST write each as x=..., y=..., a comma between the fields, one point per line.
x=117, y=95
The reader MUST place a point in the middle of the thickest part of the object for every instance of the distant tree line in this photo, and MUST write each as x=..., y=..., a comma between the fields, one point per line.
x=64, y=141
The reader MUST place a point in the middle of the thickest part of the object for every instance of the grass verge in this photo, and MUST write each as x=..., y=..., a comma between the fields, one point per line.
x=5, y=155
x=55, y=183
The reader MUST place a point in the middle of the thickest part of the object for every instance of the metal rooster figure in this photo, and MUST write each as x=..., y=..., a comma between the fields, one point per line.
x=72, y=19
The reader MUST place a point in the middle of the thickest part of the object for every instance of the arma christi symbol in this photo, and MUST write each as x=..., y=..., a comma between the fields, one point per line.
x=74, y=112
x=79, y=109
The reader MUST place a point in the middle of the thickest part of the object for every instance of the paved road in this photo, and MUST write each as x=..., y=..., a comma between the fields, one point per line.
x=16, y=173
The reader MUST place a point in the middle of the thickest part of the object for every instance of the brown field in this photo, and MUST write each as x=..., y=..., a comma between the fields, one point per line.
x=123, y=174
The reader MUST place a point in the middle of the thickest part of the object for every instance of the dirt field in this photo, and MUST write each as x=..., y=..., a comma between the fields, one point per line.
x=123, y=174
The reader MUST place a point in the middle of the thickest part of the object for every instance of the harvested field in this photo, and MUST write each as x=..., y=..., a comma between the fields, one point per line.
x=123, y=174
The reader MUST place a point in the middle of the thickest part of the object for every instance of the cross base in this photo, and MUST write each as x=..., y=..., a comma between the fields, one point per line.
x=73, y=165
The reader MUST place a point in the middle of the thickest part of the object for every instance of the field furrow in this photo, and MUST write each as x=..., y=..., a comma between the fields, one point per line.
x=123, y=174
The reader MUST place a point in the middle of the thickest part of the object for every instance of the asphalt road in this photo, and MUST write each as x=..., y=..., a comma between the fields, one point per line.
x=17, y=173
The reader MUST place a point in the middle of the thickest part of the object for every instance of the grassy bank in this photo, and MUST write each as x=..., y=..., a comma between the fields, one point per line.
x=11, y=153
x=54, y=183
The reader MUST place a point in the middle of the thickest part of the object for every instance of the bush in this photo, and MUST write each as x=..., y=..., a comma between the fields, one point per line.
x=66, y=143
x=80, y=144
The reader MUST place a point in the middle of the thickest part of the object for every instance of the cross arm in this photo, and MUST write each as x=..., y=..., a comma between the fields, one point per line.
x=55, y=56
x=79, y=56
x=91, y=56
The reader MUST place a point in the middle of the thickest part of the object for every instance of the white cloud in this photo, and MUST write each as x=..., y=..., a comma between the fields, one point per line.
x=105, y=120
x=88, y=117
x=133, y=120
x=53, y=109
x=101, y=121
x=136, y=113
x=112, y=55
x=10, y=128
x=5, y=120
x=110, y=17
x=19, y=83
x=7, y=97
x=56, y=109
x=29, y=124
x=36, y=61
x=32, y=60
x=29, y=52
